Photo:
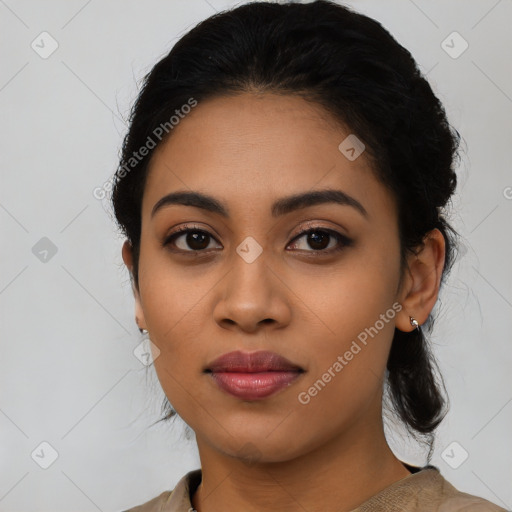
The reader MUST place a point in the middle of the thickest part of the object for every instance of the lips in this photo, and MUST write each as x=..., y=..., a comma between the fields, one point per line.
x=254, y=362
x=253, y=376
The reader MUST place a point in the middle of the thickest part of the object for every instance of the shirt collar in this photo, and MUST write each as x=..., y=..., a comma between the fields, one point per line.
x=404, y=494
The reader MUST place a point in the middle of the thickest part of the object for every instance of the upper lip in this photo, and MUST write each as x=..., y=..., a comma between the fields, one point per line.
x=251, y=362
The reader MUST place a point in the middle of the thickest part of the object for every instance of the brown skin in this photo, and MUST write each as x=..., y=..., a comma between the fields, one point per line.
x=248, y=151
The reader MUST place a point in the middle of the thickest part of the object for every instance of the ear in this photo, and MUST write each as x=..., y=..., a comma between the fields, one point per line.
x=128, y=261
x=421, y=281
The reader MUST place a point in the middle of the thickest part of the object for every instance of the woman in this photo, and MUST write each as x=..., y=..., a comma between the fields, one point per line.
x=281, y=189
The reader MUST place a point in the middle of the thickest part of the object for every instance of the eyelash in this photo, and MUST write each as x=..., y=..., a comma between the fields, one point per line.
x=342, y=240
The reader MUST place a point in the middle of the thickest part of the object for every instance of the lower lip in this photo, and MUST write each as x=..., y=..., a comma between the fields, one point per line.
x=254, y=386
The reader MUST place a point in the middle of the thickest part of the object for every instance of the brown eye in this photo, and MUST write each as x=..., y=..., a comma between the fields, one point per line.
x=318, y=239
x=189, y=240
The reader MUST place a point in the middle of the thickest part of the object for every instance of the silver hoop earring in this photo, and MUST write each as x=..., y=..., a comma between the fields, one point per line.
x=414, y=323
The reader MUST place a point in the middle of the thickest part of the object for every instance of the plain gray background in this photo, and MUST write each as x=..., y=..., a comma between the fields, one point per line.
x=68, y=374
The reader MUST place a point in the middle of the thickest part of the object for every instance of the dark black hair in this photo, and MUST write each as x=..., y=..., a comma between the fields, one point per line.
x=348, y=63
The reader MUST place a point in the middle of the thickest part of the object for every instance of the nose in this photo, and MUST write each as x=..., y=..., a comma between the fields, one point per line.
x=252, y=296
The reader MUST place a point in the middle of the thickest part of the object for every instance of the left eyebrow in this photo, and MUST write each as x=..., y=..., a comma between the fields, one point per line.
x=280, y=207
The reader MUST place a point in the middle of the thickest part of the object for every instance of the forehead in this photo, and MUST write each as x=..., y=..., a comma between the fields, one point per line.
x=250, y=149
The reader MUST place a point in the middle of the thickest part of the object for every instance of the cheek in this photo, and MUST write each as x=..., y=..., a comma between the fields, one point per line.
x=173, y=297
x=339, y=302
x=350, y=317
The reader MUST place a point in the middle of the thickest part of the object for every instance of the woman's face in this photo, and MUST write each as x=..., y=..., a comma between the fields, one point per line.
x=248, y=281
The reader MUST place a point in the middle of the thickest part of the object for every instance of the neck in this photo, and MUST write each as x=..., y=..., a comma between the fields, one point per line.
x=339, y=476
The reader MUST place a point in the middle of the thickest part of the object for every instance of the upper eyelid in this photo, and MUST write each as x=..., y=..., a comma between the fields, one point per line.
x=310, y=226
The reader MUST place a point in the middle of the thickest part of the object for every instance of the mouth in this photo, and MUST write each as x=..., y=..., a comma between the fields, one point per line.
x=253, y=376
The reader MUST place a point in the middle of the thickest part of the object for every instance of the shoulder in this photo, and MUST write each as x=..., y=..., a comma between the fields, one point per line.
x=454, y=500
x=153, y=505
x=426, y=491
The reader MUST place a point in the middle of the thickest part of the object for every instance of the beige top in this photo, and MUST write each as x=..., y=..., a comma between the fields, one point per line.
x=425, y=490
